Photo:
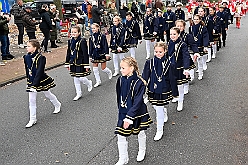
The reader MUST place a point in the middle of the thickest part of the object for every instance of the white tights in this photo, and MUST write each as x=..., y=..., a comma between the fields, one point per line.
x=148, y=47
x=77, y=81
x=132, y=52
x=115, y=60
x=32, y=102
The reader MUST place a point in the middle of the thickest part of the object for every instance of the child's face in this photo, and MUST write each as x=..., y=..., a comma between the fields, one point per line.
x=180, y=26
x=196, y=20
x=115, y=21
x=126, y=70
x=30, y=48
x=159, y=52
x=159, y=14
x=174, y=35
x=74, y=33
x=128, y=17
x=201, y=12
x=94, y=29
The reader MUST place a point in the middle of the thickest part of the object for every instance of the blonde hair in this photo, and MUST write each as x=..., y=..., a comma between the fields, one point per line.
x=161, y=44
x=96, y=25
x=133, y=63
x=118, y=18
x=181, y=21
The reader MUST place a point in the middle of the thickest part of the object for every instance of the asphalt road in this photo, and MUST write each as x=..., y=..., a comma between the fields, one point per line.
x=211, y=130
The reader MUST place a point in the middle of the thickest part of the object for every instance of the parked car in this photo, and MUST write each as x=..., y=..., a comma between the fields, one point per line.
x=67, y=7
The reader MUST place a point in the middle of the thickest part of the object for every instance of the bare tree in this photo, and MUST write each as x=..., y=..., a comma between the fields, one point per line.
x=58, y=4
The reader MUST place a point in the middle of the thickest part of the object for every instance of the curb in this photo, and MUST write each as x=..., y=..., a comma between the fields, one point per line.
x=21, y=77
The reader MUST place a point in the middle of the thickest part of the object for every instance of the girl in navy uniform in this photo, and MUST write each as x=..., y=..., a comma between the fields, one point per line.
x=223, y=24
x=179, y=12
x=148, y=30
x=162, y=84
x=77, y=61
x=215, y=31
x=133, y=117
x=160, y=28
x=99, y=53
x=180, y=60
x=170, y=18
x=133, y=33
x=117, y=42
x=193, y=49
x=201, y=37
x=37, y=79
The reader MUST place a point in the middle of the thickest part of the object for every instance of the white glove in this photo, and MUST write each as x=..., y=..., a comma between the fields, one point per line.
x=119, y=49
x=140, y=41
x=66, y=66
x=32, y=90
x=185, y=72
x=154, y=33
x=197, y=54
x=205, y=49
x=213, y=31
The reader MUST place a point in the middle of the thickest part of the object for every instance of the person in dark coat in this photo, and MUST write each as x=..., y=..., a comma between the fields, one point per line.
x=77, y=61
x=133, y=36
x=133, y=117
x=29, y=23
x=52, y=14
x=160, y=28
x=170, y=18
x=224, y=24
x=17, y=11
x=45, y=26
x=123, y=11
x=179, y=12
x=180, y=60
x=4, y=39
x=37, y=80
x=135, y=10
x=96, y=13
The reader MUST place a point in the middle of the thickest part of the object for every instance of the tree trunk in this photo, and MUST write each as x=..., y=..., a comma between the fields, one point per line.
x=59, y=7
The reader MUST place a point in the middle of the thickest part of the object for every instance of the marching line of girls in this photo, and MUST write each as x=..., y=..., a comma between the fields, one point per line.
x=166, y=75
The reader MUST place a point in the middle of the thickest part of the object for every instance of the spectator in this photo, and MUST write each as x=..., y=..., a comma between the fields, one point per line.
x=134, y=10
x=4, y=31
x=96, y=13
x=29, y=23
x=85, y=10
x=45, y=26
x=80, y=19
x=52, y=14
x=123, y=12
x=89, y=8
x=18, y=13
x=59, y=27
x=106, y=22
x=159, y=5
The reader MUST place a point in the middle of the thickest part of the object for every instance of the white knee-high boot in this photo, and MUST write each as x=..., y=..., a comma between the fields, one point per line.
x=160, y=122
x=200, y=68
x=142, y=146
x=181, y=97
x=132, y=52
x=116, y=64
x=108, y=72
x=148, y=49
x=192, y=74
x=122, y=148
x=209, y=55
x=97, y=76
x=214, y=50
x=204, y=61
x=78, y=88
x=53, y=100
x=32, y=105
x=87, y=82
x=186, y=88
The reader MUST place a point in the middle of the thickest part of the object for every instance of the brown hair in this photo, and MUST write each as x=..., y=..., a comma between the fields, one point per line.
x=76, y=27
x=176, y=29
x=161, y=44
x=96, y=25
x=35, y=43
x=200, y=18
x=182, y=21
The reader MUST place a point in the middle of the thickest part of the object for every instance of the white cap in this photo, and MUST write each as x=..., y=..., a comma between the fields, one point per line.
x=179, y=4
